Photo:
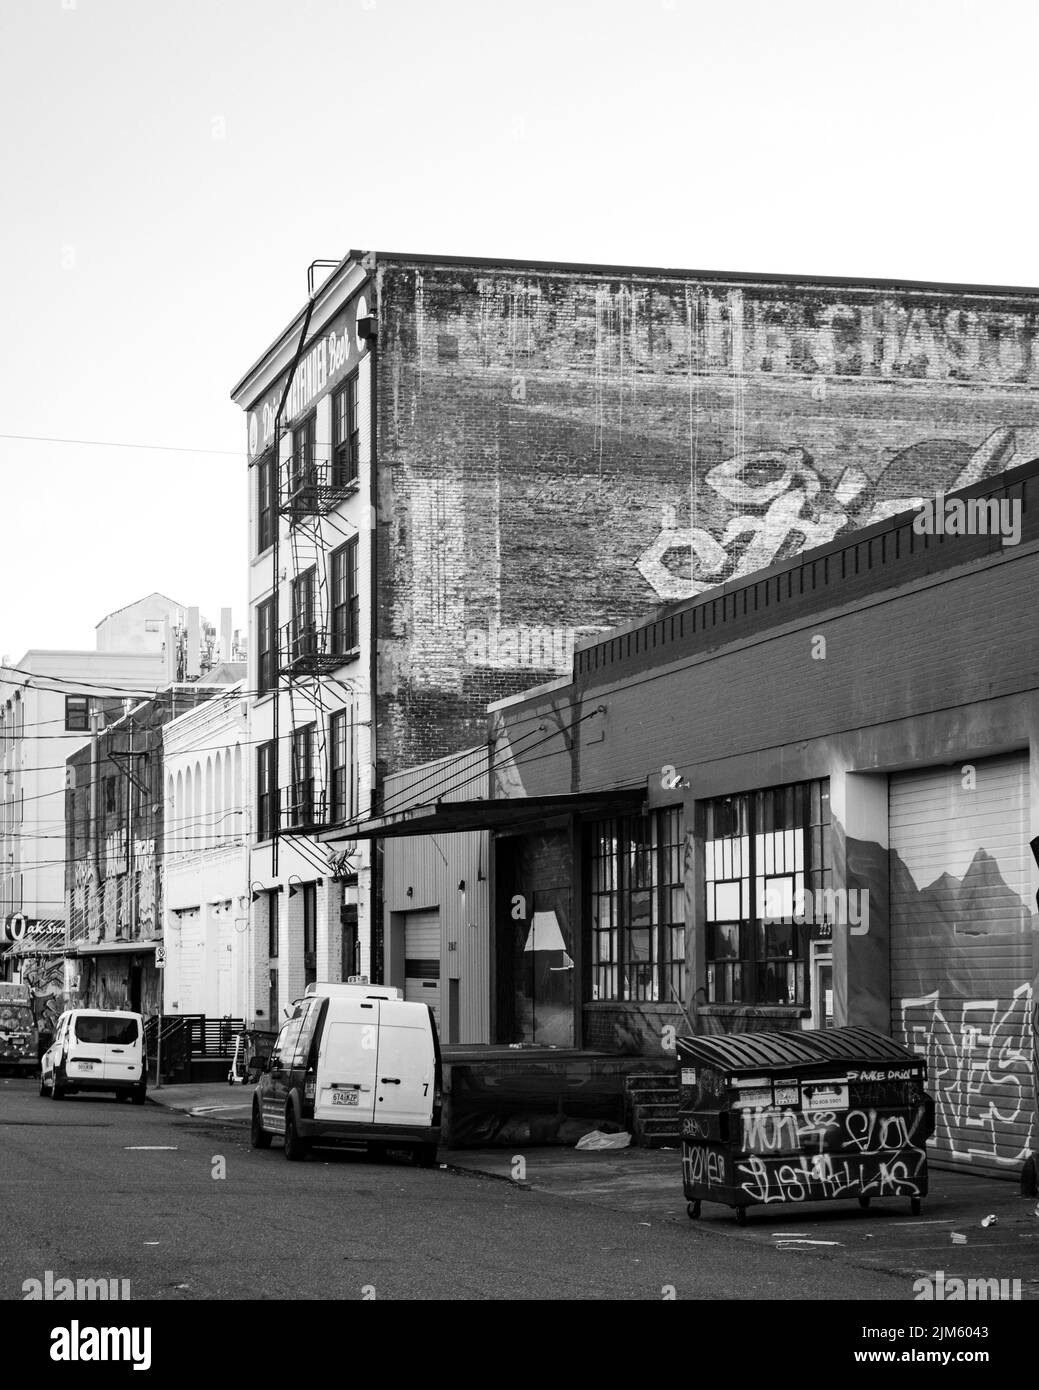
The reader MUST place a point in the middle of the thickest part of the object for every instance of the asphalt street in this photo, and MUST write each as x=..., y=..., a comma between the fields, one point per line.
x=184, y=1209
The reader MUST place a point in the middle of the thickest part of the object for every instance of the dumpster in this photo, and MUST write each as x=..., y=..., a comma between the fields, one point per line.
x=836, y=1114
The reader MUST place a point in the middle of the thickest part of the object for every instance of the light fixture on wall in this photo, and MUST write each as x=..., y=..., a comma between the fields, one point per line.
x=461, y=885
x=294, y=887
x=410, y=893
x=257, y=890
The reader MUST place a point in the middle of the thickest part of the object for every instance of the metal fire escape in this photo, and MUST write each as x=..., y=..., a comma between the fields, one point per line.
x=311, y=480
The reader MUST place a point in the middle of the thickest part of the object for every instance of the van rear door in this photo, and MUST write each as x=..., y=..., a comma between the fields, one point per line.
x=407, y=1065
x=123, y=1044
x=347, y=1062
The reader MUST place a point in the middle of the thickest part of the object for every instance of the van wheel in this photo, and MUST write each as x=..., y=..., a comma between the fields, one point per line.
x=43, y=1087
x=139, y=1094
x=425, y=1155
x=57, y=1089
x=258, y=1136
x=296, y=1149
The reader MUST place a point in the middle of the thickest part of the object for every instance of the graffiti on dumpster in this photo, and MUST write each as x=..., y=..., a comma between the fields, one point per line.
x=815, y=1176
x=825, y=1131
x=704, y=1166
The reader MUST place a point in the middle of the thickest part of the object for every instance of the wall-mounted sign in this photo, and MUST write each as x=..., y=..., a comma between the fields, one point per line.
x=15, y=927
x=325, y=362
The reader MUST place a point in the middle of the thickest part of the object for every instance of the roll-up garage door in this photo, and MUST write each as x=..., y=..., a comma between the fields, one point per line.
x=961, y=966
x=422, y=958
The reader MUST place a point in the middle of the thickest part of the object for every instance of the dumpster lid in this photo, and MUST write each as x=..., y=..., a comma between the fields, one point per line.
x=786, y=1051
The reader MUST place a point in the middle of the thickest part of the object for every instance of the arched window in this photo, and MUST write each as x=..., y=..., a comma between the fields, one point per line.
x=184, y=819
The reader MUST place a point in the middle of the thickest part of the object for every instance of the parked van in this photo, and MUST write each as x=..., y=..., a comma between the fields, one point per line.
x=355, y=1064
x=96, y=1050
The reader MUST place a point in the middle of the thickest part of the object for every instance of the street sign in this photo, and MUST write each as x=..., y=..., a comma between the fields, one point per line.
x=160, y=957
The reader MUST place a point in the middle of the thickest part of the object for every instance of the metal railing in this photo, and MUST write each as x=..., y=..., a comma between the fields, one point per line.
x=307, y=648
x=314, y=486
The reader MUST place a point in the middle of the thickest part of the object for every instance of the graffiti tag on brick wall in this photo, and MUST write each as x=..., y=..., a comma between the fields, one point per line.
x=978, y=1056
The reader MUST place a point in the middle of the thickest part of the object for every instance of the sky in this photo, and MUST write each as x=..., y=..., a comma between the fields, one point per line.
x=169, y=170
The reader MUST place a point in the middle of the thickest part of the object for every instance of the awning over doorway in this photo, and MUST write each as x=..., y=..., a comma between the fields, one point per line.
x=505, y=813
x=111, y=948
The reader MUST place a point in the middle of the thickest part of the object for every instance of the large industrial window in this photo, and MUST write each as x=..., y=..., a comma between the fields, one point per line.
x=637, y=907
x=266, y=500
x=344, y=433
x=301, y=811
x=266, y=790
x=765, y=855
x=345, y=602
x=266, y=649
x=341, y=737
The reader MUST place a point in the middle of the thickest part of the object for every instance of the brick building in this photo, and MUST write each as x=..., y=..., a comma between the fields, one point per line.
x=463, y=468
x=805, y=797
x=116, y=812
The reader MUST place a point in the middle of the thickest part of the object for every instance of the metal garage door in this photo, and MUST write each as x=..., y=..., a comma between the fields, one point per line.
x=961, y=953
x=422, y=958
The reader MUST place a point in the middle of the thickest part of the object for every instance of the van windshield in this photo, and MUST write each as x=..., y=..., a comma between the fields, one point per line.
x=16, y=1018
x=109, y=1032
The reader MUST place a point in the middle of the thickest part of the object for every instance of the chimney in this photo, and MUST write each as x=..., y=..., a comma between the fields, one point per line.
x=192, y=663
x=225, y=634
x=169, y=649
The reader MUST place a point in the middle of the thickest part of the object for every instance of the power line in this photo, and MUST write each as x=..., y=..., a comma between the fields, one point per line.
x=120, y=444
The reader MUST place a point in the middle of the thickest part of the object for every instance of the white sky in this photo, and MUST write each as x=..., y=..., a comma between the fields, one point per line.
x=170, y=169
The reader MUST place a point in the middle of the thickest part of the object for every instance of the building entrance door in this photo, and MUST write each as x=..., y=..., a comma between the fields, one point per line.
x=546, y=978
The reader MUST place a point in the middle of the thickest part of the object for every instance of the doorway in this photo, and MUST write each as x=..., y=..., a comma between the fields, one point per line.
x=545, y=1005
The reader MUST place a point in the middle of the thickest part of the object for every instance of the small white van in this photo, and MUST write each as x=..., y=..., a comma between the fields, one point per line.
x=355, y=1064
x=96, y=1050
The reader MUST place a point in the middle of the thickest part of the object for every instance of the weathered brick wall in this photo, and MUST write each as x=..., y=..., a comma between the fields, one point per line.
x=553, y=446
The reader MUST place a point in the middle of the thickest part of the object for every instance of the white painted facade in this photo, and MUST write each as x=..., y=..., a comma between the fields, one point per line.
x=210, y=966
x=282, y=868
x=140, y=626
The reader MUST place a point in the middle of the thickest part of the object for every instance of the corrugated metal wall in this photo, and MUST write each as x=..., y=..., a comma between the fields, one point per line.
x=432, y=867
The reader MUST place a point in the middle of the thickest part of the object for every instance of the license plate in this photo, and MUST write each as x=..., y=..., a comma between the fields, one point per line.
x=346, y=1097
x=86, y=1066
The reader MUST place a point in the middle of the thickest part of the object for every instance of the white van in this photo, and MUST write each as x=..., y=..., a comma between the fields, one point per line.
x=96, y=1050
x=355, y=1064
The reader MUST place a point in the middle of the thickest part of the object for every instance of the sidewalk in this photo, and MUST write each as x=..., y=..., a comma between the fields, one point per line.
x=646, y=1184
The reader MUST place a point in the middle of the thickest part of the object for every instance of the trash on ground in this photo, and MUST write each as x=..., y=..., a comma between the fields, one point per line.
x=598, y=1140
x=990, y=1220
x=957, y=1239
